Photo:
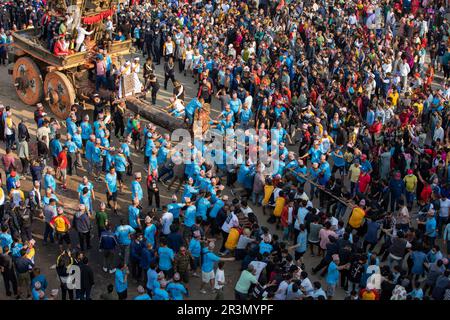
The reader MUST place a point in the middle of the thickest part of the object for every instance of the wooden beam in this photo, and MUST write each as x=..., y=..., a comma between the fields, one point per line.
x=154, y=114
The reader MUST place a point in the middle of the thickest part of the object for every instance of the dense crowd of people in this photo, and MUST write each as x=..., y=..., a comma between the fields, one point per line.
x=347, y=88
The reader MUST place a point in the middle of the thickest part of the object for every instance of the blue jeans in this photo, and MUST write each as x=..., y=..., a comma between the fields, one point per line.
x=48, y=232
x=441, y=221
x=257, y=198
x=353, y=188
x=340, y=210
x=100, y=80
x=10, y=140
x=394, y=201
x=410, y=198
x=165, y=171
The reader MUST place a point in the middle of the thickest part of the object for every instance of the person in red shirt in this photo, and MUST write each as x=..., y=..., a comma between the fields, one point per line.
x=58, y=49
x=62, y=166
x=363, y=182
x=287, y=218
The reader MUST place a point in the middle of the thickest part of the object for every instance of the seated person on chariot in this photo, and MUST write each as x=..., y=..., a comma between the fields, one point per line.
x=88, y=45
x=176, y=107
x=61, y=47
x=119, y=37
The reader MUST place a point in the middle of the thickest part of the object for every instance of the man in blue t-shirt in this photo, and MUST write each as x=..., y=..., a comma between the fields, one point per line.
x=123, y=234
x=111, y=188
x=121, y=281
x=166, y=256
x=133, y=215
x=209, y=258
x=176, y=289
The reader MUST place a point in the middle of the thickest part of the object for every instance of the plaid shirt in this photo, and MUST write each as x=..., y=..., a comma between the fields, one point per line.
x=182, y=262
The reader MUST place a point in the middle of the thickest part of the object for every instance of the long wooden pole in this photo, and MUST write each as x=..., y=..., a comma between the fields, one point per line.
x=343, y=201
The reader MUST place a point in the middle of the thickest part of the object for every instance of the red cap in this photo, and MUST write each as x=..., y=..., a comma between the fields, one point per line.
x=410, y=171
x=12, y=174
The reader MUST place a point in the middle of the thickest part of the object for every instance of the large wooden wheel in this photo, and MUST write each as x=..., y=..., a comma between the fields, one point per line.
x=28, y=81
x=59, y=93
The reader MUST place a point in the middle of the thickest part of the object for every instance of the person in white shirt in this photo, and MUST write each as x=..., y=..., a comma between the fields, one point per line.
x=282, y=290
x=109, y=27
x=44, y=131
x=259, y=267
x=135, y=69
x=245, y=208
x=438, y=133
x=219, y=280
x=444, y=205
x=166, y=220
x=81, y=34
x=231, y=221
x=352, y=19
x=404, y=70
x=306, y=285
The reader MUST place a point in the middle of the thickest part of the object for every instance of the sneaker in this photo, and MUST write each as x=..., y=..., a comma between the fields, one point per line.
x=105, y=270
x=203, y=291
x=112, y=270
x=195, y=275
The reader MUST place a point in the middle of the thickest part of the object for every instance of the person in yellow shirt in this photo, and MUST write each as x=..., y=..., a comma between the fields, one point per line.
x=356, y=219
x=268, y=191
x=411, y=186
x=353, y=172
x=279, y=205
x=393, y=96
x=418, y=106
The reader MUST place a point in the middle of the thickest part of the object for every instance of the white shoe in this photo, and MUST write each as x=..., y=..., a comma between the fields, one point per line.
x=203, y=291
x=112, y=270
x=105, y=269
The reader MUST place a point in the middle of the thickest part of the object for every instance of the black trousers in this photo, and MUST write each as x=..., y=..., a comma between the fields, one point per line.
x=149, y=49
x=119, y=128
x=130, y=166
x=240, y=296
x=224, y=236
x=24, y=162
x=9, y=278
x=322, y=264
x=151, y=193
x=166, y=79
x=344, y=279
x=136, y=270
x=70, y=164
x=25, y=233
x=157, y=55
x=85, y=293
x=231, y=178
x=122, y=295
x=65, y=292
x=181, y=64
x=155, y=89
x=85, y=238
